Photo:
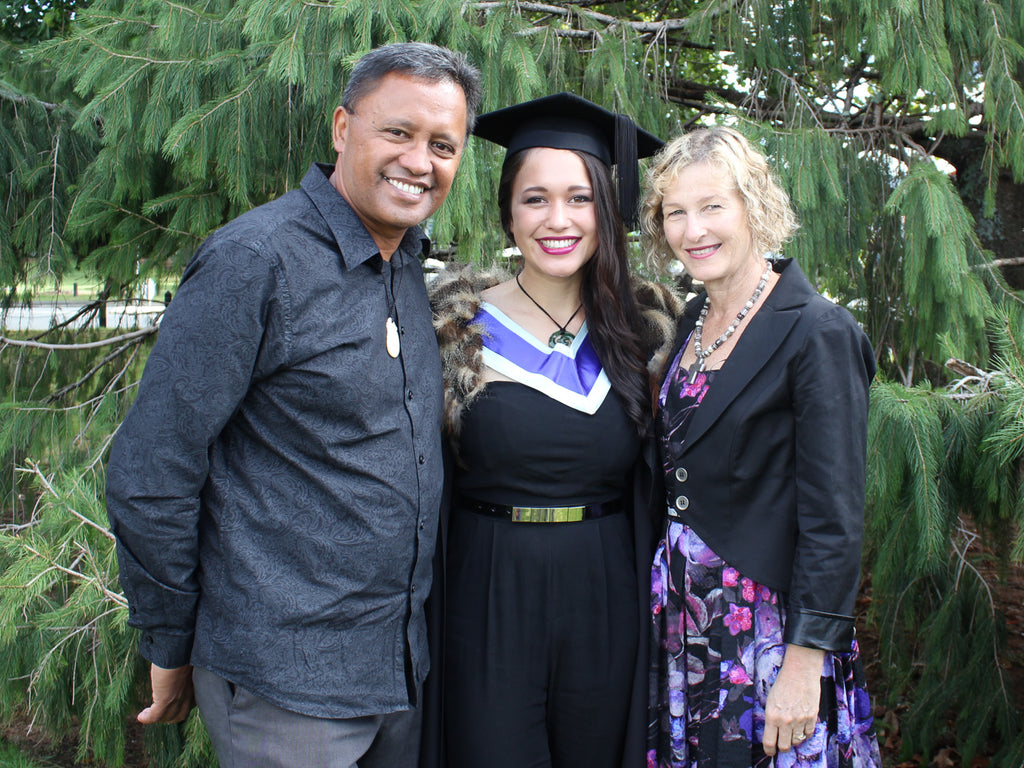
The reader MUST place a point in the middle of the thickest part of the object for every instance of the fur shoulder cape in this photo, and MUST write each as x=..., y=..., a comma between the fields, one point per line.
x=455, y=300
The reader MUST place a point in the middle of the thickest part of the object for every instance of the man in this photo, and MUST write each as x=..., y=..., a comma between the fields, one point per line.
x=274, y=489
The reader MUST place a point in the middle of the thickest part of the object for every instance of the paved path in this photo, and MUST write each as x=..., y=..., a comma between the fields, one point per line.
x=44, y=314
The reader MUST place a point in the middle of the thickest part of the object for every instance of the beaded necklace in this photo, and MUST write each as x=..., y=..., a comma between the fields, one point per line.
x=698, y=331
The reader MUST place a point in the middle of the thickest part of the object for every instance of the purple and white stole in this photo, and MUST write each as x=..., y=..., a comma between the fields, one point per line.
x=572, y=375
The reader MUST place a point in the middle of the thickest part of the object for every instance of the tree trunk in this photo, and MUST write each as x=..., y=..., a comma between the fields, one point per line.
x=1003, y=232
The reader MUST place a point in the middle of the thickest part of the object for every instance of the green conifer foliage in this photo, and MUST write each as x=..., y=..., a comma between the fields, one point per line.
x=67, y=656
x=45, y=155
x=131, y=129
x=945, y=471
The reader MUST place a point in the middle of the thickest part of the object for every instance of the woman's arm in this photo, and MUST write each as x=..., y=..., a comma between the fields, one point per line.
x=830, y=394
x=830, y=383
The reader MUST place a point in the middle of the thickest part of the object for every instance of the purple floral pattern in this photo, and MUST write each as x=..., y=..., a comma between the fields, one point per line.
x=717, y=647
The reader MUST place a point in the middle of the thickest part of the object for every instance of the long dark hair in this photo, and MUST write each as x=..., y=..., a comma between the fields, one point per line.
x=613, y=319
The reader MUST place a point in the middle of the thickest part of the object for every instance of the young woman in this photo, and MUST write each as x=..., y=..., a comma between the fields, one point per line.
x=548, y=401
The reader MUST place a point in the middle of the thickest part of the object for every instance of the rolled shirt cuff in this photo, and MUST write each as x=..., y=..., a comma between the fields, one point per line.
x=169, y=650
x=818, y=629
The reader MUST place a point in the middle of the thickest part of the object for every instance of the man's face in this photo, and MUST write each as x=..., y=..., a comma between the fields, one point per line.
x=398, y=152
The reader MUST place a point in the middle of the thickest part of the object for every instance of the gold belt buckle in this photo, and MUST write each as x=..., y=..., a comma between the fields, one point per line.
x=548, y=514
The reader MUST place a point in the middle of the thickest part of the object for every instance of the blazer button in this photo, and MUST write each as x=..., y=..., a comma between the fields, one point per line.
x=682, y=474
x=682, y=503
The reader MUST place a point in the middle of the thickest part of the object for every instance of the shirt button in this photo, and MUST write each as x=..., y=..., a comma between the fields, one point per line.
x=413, y=589
x=682, y=503
x=423, y=459
x=402, y=329
x=409, y=395
x=422, y=525
x=682, y=474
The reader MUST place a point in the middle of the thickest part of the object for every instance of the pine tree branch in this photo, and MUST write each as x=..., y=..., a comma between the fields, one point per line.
x=68, y=388
x=33, y=469
x=1012, y=338
x=913, y=130
x=108, y=388
x=85, y=311
x=641, y=27
x=798, y=89
x=1008, y=293
x=189, y=10
x=1017, y=261
x=973, y=381
x=75, y=632
x=1009, y=67
x=111, y=22
x=962, y=564
x=662, y=7
x=181, y=133
x=18, y=98
x=147, y=60
x=577, y=34
x=53, y=207
x=142, y=332
x=78, y=406
x=79, y=576
x=690, y=92
x=154, y=224
x=589, y=3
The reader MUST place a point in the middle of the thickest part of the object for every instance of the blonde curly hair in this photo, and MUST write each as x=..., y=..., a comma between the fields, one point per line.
x=770, y=216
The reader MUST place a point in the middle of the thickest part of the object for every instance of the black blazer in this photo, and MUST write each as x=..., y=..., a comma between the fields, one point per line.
x=772, y=470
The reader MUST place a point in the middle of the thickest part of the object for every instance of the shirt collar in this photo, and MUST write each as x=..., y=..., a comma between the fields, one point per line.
x=355, y=244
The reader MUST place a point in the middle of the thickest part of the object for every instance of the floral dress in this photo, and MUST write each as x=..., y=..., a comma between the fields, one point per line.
x=717, y=647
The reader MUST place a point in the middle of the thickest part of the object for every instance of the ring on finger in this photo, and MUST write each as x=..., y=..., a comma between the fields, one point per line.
x=798, y=737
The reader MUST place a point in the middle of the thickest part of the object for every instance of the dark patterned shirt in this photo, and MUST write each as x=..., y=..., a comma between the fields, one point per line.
x=274, y=489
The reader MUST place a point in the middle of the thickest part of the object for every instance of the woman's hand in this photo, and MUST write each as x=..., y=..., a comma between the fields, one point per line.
x=792, y=706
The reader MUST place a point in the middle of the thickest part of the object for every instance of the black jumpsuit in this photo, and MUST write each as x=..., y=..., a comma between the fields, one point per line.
x=541, y=618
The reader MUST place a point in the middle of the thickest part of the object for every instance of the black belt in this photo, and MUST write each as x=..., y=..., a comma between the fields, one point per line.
x=542, y=514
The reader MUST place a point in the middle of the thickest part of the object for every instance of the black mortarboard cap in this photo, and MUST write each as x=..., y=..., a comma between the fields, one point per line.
x=568, y=121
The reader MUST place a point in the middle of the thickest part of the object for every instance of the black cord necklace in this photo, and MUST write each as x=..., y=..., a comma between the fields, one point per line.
x=561, y=336
x=392, y=340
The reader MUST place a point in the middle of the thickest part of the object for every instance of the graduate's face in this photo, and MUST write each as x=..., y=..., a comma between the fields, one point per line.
x=553, y=216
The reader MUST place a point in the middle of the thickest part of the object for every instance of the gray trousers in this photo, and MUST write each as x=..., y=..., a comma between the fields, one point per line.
x=249, y=732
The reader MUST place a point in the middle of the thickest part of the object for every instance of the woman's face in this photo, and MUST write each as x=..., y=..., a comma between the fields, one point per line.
x=705, y=222
x=553, y=219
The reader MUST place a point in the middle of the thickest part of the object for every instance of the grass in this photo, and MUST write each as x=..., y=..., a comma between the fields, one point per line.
x=87, y=286
x=76, y=284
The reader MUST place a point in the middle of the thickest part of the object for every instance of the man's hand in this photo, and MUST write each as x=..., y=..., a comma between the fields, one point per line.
x=173, y=697
x=792, y=707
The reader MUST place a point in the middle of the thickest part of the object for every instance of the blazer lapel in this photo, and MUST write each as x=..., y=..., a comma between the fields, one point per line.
x=767, y=331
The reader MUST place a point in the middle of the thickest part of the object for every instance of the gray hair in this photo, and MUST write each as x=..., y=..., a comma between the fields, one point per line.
x=420, y=60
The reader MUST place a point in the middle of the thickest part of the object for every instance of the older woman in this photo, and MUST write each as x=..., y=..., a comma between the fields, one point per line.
x=762, y=426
